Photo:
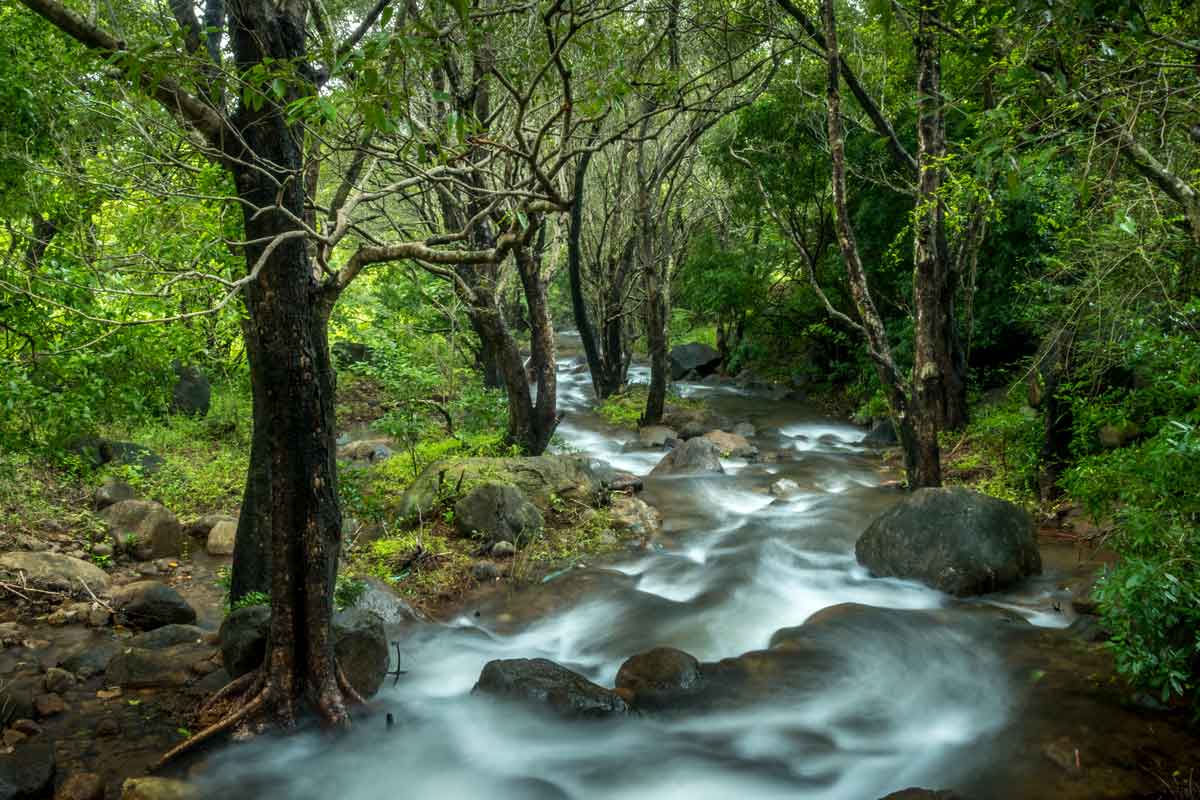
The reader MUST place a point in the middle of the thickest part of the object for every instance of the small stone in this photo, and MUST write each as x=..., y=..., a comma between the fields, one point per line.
x=81, y=786
x=111, y=492
x=27, y=727
x=484, y=571
x=222, y=538
x=1063, y=753
x=102, y=549
x=147, y=569
x=48, y=705
x=785, y=487
x=204, y=667
x=503, y=549
x=98, y=617
x=58, y=680
x=10, y=632
x=60, y=616
x=107, y=727
x=13, y=738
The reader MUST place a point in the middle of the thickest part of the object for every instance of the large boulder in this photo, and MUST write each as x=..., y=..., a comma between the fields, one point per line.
x=540, y=479
x=54, y=572
x=634, y=515
x=191, y=394
x=27, y=774
x=495, y=512
x=540, y=682
x=694, y=457
x=378, y=597
x=149, y=604
x=694, y=357
x=956, y=540
x=732, y=445
x=371, y=451
x=361, y=646
x=243, y=639
x=144, y=529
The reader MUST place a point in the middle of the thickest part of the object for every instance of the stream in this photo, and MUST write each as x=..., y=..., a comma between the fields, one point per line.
x=894, y=706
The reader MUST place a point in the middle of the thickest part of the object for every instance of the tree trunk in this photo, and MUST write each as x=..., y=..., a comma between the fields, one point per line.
x=544, y=416
x=916, y=430
x=583, y=323
x=292, y=376
x=252, y=548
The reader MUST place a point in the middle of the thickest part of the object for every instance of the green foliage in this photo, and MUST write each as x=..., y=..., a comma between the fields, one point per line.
x=1007, y=440
x=348, y=591
x=251, y=599
x=1151, y=598
x=625, y=409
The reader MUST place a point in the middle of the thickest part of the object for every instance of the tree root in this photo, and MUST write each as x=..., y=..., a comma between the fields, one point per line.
x=224, y=724
x=254, y=685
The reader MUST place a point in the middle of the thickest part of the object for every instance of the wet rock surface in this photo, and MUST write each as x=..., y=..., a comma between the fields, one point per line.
x=495, y=511
x=543, y=684
x=956, y=540
x=696, y=456
x=147, y=605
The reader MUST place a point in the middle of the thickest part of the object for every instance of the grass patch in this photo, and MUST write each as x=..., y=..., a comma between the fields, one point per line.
x=625, y=409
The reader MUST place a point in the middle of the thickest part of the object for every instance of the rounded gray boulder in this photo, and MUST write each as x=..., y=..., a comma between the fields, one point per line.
x=953, y=539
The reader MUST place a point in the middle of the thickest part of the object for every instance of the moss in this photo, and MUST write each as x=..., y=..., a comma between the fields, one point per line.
x=625, y=409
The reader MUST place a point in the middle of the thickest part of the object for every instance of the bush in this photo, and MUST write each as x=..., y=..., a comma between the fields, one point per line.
x=1151, y=599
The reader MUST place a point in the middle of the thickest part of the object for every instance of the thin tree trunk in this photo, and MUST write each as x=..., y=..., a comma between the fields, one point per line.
x=541, y=357
x=918, y=437
x=583, y=322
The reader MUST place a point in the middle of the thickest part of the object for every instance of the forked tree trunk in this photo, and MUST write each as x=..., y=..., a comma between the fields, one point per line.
x=916, y=430
x=544, y=414
x=293, y=386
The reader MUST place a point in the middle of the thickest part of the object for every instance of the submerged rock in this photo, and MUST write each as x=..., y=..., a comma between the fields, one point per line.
x=694, y=457
x=732, y=444
x=495, y=512
x=541, y=682
x=956, y=540
x=27, y=774
x=660, y=669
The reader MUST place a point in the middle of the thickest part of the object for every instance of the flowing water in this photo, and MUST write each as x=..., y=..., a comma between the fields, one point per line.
x=893, y=706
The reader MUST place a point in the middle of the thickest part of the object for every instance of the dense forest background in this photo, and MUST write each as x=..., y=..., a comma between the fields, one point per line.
x=470, y=177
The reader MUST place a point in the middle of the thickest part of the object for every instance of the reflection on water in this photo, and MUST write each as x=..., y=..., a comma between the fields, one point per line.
x=891, y=705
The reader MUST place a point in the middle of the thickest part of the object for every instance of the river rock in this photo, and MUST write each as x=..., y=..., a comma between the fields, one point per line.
x=626, y=482
x=157, y=789
x=634, y=515
x=54, y=572
x=110, y=492
x=660, y=669
x=144, y=529
x=745, y=430
x=27, y=774
x=91, y=659
x=378, y=597
x=203, y=526
x=540, y=479
x=149, y=604
x=655, y=436
x=694, y=357
x=169, y=636
x=881, y=434
x=541, y=682
x=58, y=680
x=48, y=705
x=16, y=697
x=361, y=646
x=694, y=457
x=243, y=639
x=494, y=512
x=192, y=394
x=81, y=786
x=913, y=793
x=953, y=539
x=140, y=668
x=731, y=444
x=503, y=549
x=222, y=538
x=785, y=487
x=372, y=451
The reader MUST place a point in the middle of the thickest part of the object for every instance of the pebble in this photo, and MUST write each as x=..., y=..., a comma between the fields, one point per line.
x=99, y=616
x=47, y=705
x=107, y=727
x=81, y=786
x=58, y=680
x=504, y=550
x=13, y=738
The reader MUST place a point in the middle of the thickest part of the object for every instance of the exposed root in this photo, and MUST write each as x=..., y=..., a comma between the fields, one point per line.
x=349, y=691
x=236, y=685
x=224, y=724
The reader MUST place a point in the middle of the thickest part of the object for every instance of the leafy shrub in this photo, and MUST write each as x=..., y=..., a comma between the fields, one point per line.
x=1151, y=599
